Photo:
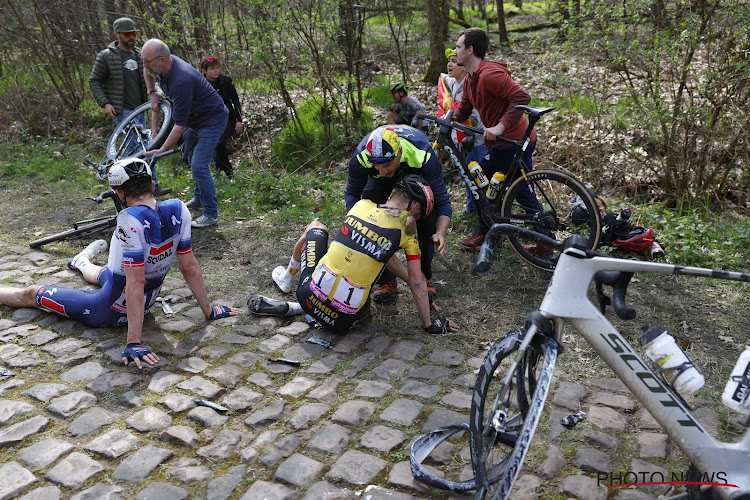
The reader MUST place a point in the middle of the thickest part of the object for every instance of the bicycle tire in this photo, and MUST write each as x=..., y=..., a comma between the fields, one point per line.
x=76, y=233
x=556, y=192
x=126, y=130
x=496, y=455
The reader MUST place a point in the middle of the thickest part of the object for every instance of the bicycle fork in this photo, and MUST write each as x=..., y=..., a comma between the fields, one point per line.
x=522, y=442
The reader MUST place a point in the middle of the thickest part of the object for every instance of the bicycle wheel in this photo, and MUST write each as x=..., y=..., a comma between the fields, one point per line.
x=556, y=204
x=76, y=233
x=504, y=415
x=134, y=135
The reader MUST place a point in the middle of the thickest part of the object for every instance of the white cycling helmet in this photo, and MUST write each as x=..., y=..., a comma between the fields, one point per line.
x=123, y=170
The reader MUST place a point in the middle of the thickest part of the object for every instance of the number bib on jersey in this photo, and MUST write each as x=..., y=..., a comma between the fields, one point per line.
x=347, y=296
x=322, y=282
x=344, y=296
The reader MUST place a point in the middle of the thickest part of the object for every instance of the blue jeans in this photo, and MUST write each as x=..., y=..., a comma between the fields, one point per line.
x=205, y=191
x=131, y=145
x=477, y=153
x=498, y=159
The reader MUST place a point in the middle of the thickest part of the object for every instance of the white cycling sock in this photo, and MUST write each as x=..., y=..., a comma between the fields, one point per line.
x=295, y=308
x=292, y=268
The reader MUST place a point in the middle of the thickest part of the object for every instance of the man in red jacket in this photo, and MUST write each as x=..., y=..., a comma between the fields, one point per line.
x=490, y=89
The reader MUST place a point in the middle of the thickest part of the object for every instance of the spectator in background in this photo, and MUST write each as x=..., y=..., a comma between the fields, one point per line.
x=195, y=104
x=454, y=83
x=490, y=88
x=117, y=79
x=404, y=107
x=225, y=87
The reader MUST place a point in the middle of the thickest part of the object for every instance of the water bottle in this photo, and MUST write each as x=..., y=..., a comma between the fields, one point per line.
x=497, y=178
x=663, y=350
x=478, y=174
x=657, y=252
x=737, y=392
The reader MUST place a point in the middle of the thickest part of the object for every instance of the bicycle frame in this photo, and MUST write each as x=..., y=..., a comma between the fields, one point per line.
x=490, y=208
x=566, y=300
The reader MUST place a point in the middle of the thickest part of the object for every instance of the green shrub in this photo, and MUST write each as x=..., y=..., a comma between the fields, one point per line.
x=696, y=237
x=289, y=147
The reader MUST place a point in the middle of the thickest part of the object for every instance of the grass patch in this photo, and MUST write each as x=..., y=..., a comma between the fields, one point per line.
x=47, y=162
x=697, y=237
x=577, y=103
x=380, y=95
x=282, y=195
x=290, y=146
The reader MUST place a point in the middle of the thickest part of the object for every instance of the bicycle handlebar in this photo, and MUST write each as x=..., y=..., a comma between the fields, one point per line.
x=446, y=121
x=534, y=115
x=108, y=194
x=483, y=261
x=152, y=158
x=100, y=197
x=619, y=281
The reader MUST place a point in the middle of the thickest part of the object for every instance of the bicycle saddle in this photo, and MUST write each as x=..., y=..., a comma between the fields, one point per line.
x=534, y=112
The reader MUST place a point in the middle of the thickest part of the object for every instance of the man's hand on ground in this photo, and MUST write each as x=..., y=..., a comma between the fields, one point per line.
x=442, y=325
x=136, y=352
x=223, y=311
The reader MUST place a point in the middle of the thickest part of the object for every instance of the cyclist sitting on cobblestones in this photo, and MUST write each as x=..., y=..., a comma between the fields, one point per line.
x=335, y=282
x=148, y=237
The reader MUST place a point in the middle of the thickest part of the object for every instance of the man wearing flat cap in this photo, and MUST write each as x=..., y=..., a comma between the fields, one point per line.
x=117, y=78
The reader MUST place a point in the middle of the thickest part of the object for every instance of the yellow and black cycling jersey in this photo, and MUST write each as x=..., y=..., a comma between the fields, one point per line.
x=369, y=236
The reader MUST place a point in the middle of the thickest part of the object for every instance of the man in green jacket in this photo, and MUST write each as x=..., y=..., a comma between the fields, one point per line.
x=117, y=78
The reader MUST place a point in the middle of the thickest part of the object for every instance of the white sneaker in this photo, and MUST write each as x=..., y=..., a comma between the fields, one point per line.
x=278, y=277
x=87, y=254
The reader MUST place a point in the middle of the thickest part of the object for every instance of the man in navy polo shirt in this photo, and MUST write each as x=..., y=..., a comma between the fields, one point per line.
x=195, y=105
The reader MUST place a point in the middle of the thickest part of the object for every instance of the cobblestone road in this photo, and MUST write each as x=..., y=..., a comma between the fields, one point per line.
x=75, y=423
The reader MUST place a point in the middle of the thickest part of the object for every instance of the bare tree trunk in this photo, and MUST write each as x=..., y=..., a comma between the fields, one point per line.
x=501, y=28
x=351, y=21
x=438, y=14
x=659, y=14
x=395, y=29
x=199, y=14
x=459, y=8
x=564, y=8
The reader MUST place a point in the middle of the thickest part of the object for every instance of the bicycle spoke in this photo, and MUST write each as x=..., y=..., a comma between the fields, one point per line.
x=553, y=203
x=139, y=132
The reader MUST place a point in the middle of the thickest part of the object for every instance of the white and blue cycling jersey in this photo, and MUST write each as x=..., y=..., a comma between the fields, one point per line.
x=144, y=238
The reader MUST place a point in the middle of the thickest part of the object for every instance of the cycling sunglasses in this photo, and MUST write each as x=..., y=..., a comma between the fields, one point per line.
x=212, y=59
x=128, y=33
